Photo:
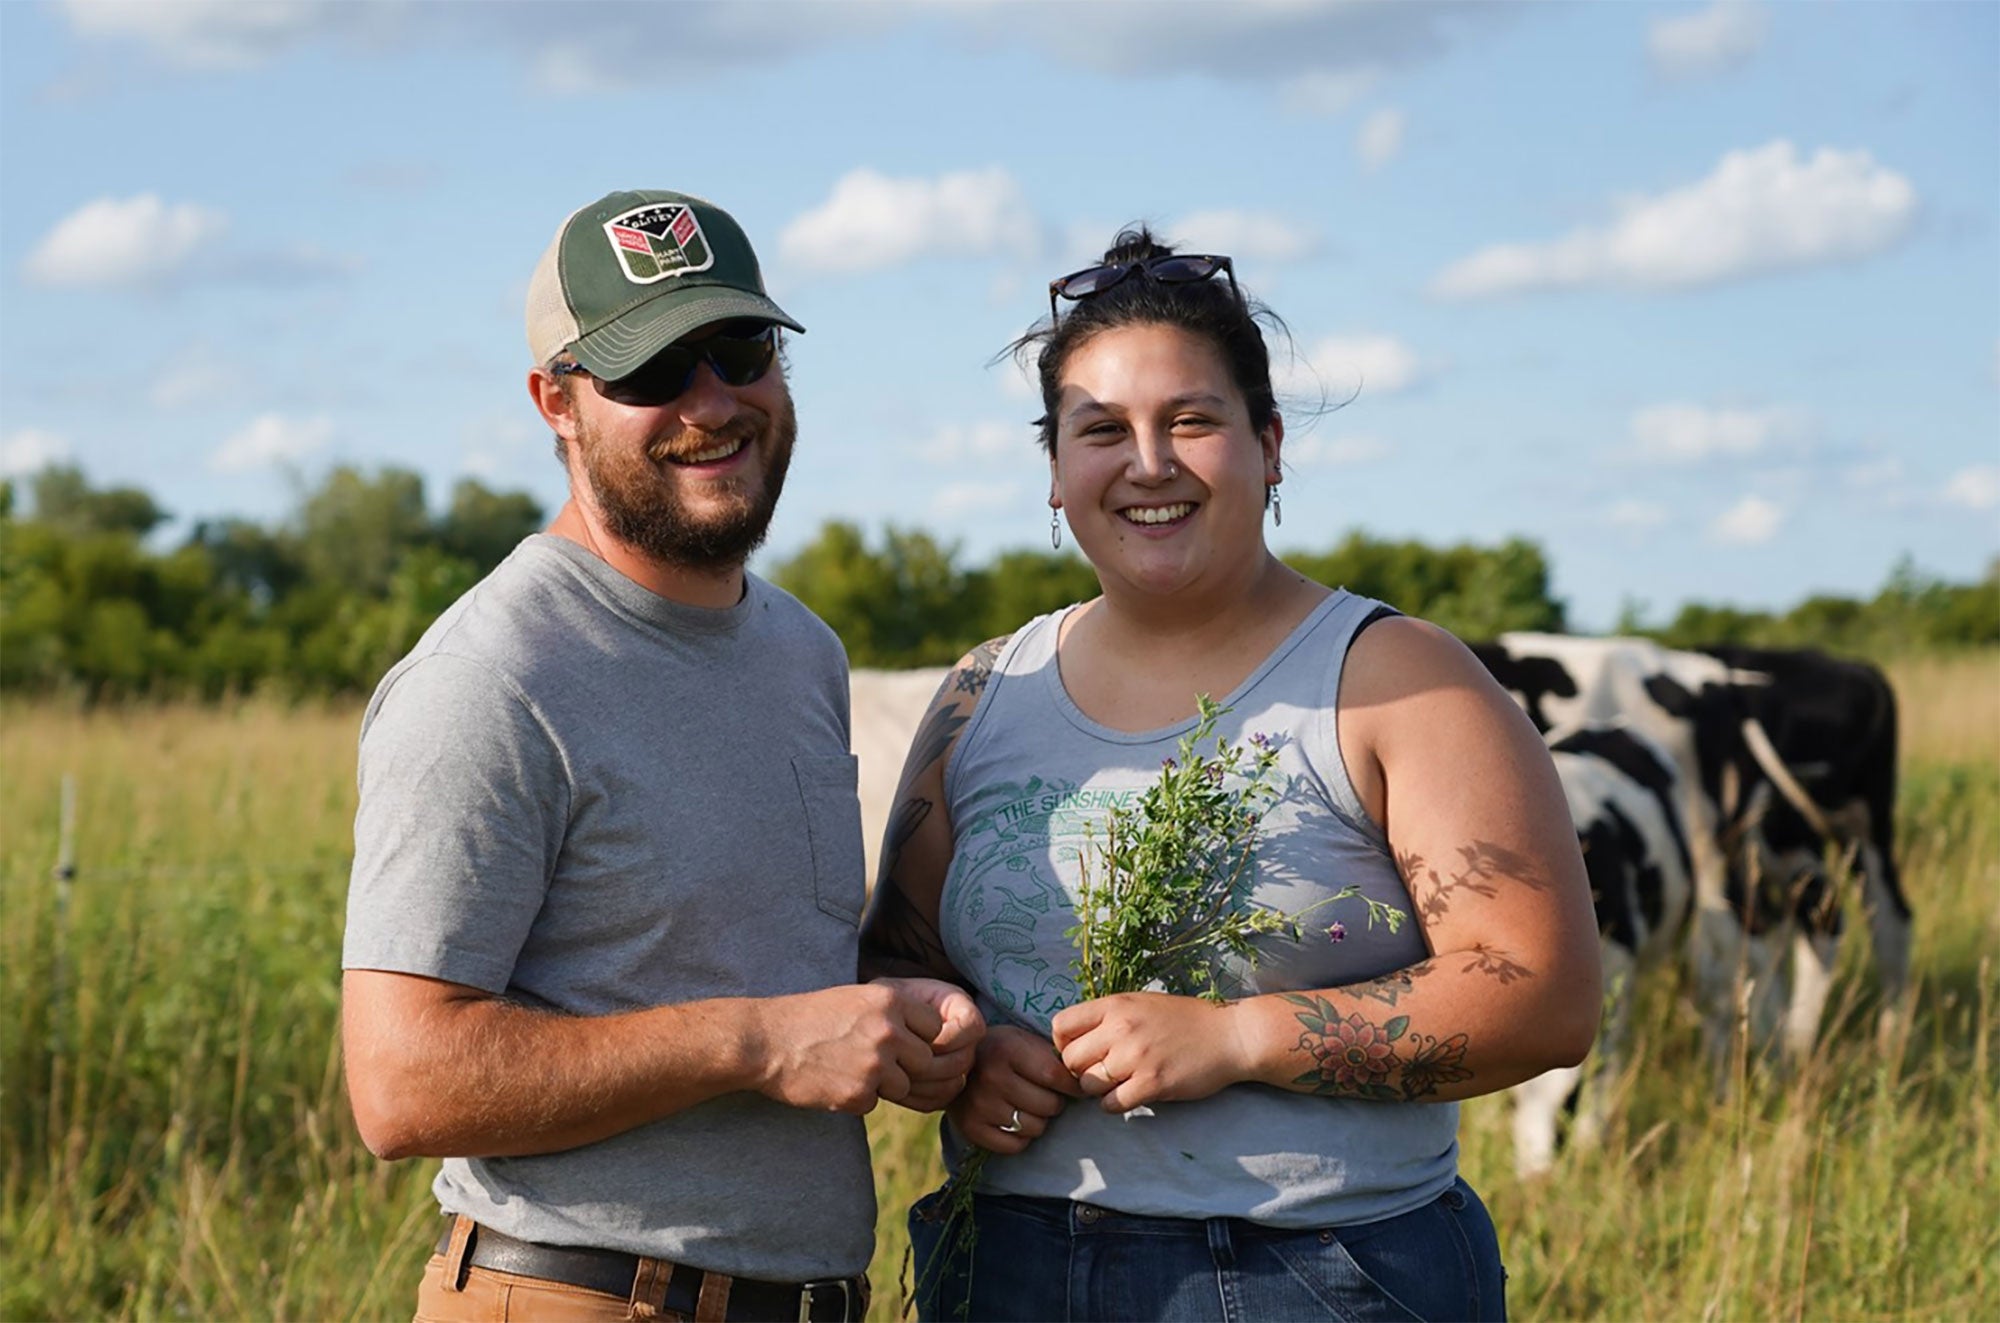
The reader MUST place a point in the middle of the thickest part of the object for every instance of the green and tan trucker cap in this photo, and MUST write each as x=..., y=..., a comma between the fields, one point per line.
x=631, y=273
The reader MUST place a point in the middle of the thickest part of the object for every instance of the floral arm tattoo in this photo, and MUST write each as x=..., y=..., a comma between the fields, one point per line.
x=901, y=935
x=1358, y=1056
x=1359, y=1053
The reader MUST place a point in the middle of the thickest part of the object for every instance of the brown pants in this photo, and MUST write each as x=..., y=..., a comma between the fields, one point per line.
x=502, y=1297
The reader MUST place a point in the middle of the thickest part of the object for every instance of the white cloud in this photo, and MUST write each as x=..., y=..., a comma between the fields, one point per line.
x=1635, y=516
x=208, y=33
x=1975, y=488
x=1873, y=475
x=1685, y=433
x=977, y=443
x=1322, y=53
x=1334, y=453
x=974, y=497
x=1019, y=379
x=190, y=378
x=1295, y=44
x=1708, y=41
x=1379, y=139
x=1750, y=521
x=872, y=220
x=128, y=241
x=568, y=68
x=30, y=450
x=268, y=440
x=1340, y=366
x=1258, y=236
x=1760, y=210
x=1327, y=92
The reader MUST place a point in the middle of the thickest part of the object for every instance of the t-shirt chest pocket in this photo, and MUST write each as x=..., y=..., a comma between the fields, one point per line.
x=829, y=790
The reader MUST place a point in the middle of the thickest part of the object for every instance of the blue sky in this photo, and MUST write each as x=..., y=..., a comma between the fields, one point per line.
x=1704, y=298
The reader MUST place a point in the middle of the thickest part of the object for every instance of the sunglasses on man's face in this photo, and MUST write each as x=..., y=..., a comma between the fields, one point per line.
x=737, y=352
x=1177, y=269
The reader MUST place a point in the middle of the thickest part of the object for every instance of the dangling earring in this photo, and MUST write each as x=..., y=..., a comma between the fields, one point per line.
x=1277, y=506
x=1055, y=530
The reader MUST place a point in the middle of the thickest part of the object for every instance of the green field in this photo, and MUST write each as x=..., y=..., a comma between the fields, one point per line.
x=176, y=1143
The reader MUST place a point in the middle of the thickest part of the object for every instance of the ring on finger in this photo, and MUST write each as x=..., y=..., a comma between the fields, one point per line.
x=1013, y=1126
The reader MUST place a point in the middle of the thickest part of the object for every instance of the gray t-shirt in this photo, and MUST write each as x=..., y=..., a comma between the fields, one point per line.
x=588, y=799
x=1031, y=778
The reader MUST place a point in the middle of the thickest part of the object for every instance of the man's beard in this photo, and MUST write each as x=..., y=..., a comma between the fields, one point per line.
x=644, y=509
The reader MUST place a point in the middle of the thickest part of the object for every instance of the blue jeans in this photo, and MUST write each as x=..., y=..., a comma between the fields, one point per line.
x=1051, y=1259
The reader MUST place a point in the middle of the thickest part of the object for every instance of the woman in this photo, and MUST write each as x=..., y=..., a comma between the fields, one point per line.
x=1291, y=1153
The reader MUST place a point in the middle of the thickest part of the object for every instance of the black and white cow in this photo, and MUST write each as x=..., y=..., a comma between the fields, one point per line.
x=1622, y=797
x=1738, y=934
x=1755, y=835
x=1823, y=733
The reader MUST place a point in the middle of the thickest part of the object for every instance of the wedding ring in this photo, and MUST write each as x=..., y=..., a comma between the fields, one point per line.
x=1013, y=1126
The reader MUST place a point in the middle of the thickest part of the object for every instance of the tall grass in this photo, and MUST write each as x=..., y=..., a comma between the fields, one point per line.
x=174, y=1141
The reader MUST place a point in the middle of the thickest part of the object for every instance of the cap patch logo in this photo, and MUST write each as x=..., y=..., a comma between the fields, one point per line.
x=656, y=241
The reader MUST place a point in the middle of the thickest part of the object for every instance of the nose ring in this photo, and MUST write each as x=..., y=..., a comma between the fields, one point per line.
x=1173, y=470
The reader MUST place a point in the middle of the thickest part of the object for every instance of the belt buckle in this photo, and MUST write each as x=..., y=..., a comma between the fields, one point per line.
x=809, y=1292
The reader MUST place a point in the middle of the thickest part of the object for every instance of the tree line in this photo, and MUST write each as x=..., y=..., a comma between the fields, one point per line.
x=323, y=601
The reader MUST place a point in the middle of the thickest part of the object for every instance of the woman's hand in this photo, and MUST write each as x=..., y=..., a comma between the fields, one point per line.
x=1137, y=1048
x=1017, y=1079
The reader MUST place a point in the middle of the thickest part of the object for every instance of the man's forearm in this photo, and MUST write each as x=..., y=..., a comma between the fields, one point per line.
x=465, y=1074
x=438, y=1069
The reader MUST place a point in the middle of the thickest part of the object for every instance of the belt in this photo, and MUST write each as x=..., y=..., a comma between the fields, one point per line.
x=835, y=1300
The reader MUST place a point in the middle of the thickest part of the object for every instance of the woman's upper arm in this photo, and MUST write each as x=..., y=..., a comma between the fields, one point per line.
x=1468, y=795
x=900, y=933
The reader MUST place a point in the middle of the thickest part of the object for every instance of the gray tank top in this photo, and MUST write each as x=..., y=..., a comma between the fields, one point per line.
x=1029, y=774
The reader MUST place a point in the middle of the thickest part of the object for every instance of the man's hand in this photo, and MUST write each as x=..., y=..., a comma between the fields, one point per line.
x=1018, y=1081
x=936, y=1083
x=1137, y=1048
x=842, y=1049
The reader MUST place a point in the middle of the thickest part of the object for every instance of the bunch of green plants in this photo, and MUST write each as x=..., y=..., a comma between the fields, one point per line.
x=1163, y=903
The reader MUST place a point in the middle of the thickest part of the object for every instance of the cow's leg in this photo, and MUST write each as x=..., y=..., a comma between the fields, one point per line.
x=1739, y=987
x=1614, y=1042
x=1716, y=954
x=1889, y=935
x=1813, y=954
x=1537, y=1104
x=1764, y=991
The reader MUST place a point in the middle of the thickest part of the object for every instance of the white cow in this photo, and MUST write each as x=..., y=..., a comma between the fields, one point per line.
x=887, y=705
x=1743, y=921
x=1621, y=796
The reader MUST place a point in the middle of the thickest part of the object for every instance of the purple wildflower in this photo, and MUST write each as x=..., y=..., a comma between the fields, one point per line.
x=1260, y=739
x=1336, y=931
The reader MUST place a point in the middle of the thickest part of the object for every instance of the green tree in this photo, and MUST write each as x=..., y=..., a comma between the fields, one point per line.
x=63, y=498
x=354, y=529
x=482, y=526
x=904, y=605
x=1020, y=585
x=1476, y=592
x=259, y=563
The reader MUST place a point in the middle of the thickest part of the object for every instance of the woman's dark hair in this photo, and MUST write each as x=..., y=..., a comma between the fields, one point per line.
x=1211, y=309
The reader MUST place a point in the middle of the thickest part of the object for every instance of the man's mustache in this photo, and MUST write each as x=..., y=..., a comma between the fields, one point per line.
x=688, y=442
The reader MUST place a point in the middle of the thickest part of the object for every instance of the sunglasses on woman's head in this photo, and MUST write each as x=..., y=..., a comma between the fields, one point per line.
x=1175, y=269
x=738, y=353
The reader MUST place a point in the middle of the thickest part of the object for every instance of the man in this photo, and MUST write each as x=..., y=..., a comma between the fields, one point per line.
x=601, y=942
